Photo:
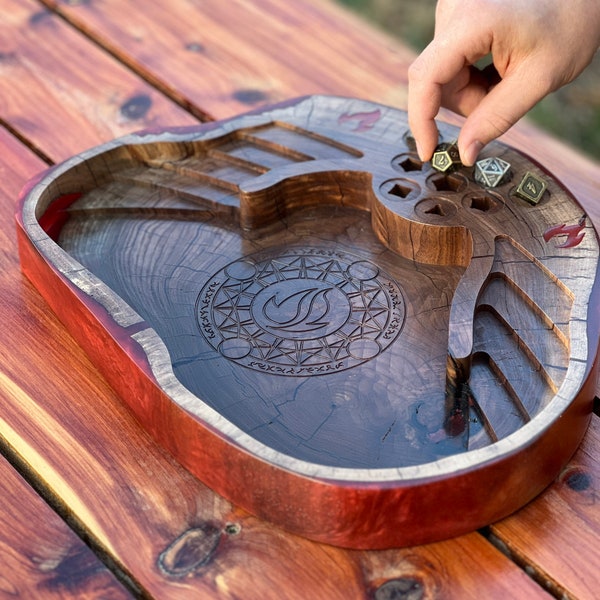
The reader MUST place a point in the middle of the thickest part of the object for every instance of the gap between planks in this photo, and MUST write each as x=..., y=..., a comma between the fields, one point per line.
x=26, y=142
x=11, y=447
x=129, y=62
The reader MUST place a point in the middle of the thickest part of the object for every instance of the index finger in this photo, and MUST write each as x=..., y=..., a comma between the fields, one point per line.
x=440, y=63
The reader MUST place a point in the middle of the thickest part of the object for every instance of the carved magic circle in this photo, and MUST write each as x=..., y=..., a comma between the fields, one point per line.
x=300, y=312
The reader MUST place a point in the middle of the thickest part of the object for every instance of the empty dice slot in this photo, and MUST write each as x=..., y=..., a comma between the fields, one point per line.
x=436, y=209
x=453, y=182
x=401, y=191
x=482, y=203
x=407, y=163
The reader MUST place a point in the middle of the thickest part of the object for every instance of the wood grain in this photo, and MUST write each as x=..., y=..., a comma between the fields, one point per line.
x=208, y=55
x=61, y=92
x=168, y=533
x=320, y=48
x=136, y=44
x=566, y=516
x=41, y=556
x=37, y=336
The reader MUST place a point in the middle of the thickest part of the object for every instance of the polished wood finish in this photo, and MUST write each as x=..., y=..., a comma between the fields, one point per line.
x=140, y=488
x=41, y=556
x=271, y=334
x=571, y=505
x=64, y=83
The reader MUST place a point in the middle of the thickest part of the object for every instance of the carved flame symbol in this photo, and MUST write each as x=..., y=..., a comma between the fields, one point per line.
x=574, y=233
x=365, y=120
x=299, y=312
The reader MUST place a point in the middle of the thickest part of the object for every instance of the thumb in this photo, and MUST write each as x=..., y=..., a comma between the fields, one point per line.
x=499, y=110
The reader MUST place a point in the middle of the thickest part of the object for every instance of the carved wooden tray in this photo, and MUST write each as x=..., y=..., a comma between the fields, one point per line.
x=333, y=335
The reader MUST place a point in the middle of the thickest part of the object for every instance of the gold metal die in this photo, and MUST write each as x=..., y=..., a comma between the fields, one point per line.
x=531, y=188
x=446, y=158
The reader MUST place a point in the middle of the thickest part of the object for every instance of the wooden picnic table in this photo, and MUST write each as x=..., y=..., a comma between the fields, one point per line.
x=90, y=505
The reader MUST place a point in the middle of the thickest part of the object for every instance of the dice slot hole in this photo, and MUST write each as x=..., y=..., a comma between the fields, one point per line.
x=449, y=183
x=436, y=209
x=406, y=163
x=401, y=191
x=411, y=164
x=482, y=203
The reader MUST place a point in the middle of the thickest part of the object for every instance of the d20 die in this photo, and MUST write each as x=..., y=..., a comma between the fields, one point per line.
x=491, y=172
x=446, y=158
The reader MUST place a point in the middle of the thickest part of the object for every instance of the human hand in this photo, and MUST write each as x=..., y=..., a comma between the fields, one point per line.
x=537, y=46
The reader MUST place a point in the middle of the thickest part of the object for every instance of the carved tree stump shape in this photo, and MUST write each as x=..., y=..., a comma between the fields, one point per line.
x=325, y=330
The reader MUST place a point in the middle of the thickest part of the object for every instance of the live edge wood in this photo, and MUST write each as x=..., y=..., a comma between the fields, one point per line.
x=204, y=332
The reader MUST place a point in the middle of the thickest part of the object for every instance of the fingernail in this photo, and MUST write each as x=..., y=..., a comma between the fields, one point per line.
x=471, y=153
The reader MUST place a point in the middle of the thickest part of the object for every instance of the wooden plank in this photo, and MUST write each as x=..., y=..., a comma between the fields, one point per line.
x=62, y=93
x=557, y=537
x=170, y=535
x=429, y=572
x=41, y=556
x=225, y=57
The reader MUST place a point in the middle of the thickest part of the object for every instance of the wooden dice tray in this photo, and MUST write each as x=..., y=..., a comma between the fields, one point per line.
x=280, y=299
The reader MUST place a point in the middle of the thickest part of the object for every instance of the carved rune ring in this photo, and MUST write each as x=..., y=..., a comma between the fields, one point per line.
x=300, y=313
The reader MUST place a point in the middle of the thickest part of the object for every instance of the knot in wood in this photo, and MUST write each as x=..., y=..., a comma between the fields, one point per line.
x=136, y=107
x=404, y=588
x=578, y=480
x=193, y=549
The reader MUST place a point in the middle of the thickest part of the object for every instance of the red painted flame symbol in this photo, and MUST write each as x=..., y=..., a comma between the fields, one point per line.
x=300, y=312
x=574, y=233
x=365, y=120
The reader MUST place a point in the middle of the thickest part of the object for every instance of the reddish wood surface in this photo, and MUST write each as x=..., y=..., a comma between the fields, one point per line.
x=37, y=353
x=168, y=533
x=566, y=516
x=41, y=556
x=66, y=93
x=211, y=58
